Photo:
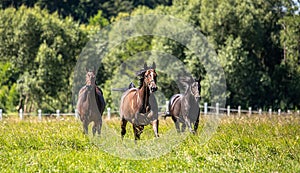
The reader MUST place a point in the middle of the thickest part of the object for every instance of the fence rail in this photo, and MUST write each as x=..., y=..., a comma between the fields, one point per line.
x=204, y=109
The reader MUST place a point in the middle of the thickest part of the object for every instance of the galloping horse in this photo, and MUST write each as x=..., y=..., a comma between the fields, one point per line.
x=91, y=104
x=184, y=108
x=138, y=105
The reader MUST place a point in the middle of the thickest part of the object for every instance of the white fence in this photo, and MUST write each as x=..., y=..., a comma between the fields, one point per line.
x=205, y=110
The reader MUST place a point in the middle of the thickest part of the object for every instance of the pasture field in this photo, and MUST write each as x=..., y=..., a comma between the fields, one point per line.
x=240, y=144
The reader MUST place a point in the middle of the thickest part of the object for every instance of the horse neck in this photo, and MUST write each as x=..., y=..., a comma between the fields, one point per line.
x=188, y=93
x=144, y=94
x=88, y=82
x=92, y=93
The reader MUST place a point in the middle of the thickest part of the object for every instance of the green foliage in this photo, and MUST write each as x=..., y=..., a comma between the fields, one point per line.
x=82, y=10
x=3, y=95
x=257, y=43
x=242, y=73
x=42, y=49
x=12, y=99
x=288, y=72
x=99, y=20
x=8, y=92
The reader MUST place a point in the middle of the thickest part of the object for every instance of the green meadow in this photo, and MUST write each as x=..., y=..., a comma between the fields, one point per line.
x=239, y=144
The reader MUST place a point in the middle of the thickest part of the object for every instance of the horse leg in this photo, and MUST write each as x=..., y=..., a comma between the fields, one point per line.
x=123, y=127
x=155, y=127
x=176, y=121
x=135, y=132
x=141, y=129
x=196, y=124
x=97, y=127
x=94, y=128
x=138, y=130
x=85, y=126
x=188, y=123
x=183, y=126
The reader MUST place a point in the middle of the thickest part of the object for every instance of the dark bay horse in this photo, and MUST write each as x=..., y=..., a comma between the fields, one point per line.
x=91, y=104
x=184, y=108
x=138, y=104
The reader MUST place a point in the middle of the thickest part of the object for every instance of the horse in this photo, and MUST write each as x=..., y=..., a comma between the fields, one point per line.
x=91, y=104
x=184, y=108
x=138, y=105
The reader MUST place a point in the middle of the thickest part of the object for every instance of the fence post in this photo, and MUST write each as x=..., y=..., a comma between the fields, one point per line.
x=76, y=114
x=270, y=111
x=108, y=113
x=288, y=112
x=21, y=114
x=228, y=110
x=167, y=107
x=40, y=115
x=205, y=108
x=239, y=110
x=298, y=112
x=250, y=111
x=217, y=109
x=279, y=111
x=260, y=111
x=57, y=113
x=0, y=114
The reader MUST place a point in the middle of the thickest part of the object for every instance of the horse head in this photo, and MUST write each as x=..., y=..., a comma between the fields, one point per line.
x=195, y=89
x=191, y=85
x=90, y=79
x=150, y=77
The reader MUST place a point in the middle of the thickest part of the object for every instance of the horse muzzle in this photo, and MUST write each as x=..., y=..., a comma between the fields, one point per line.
x=153, y=89
x=89, y=87
x=152, y=86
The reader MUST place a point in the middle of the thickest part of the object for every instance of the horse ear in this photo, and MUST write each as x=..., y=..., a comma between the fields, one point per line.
x=199, y=83
x=200, y=78
x=153, y=65
x=86, y=69
x=145, y=66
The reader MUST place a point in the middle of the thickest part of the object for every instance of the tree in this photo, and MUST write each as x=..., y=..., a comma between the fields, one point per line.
x=287, y=73
x=82, y=10
x=42, y=49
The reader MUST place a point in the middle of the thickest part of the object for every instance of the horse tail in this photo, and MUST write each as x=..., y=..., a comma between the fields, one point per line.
x=172, y=102
x=131, y=85
x=167, y=114
x=100, y=100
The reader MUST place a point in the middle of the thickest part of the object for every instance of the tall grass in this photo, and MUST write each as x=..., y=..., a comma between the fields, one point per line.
x=240, y=144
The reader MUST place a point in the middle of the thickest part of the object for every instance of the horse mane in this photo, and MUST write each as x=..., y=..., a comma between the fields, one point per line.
x=131, y=85
x=141, y=74
x=141, y=80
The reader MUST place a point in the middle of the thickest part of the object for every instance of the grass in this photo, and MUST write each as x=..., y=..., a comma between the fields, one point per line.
x=240, y=144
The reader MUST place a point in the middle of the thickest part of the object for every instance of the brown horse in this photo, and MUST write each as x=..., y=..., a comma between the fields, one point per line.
x=138, y=105
x=91, y=104
x=184, y=108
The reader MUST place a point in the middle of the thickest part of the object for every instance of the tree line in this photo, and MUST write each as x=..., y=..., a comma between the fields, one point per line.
x=257, y=42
